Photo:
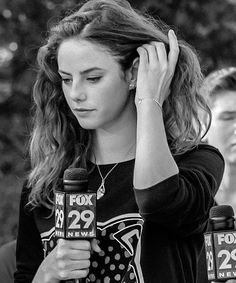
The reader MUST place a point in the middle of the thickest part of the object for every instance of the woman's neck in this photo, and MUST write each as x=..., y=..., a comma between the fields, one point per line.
x=114, y=145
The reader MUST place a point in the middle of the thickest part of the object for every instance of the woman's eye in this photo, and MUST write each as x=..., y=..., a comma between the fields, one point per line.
x=228, y=117
x=66, y=81
x=93, y=79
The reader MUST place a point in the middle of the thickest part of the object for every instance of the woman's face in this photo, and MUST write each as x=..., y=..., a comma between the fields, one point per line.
x=94, y=86
x=222, y=133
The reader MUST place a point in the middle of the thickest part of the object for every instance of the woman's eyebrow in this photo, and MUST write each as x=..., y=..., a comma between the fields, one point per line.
x=83, y=72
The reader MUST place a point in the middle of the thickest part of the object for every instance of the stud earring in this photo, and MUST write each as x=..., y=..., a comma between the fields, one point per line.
x=132, y=86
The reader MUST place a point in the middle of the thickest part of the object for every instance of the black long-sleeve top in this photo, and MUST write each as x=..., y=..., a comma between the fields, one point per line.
x=153, y=235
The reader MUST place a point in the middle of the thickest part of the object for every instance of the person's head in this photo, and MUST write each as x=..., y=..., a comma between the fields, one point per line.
x=219, y=88
x=94, y=86
x=104, y=34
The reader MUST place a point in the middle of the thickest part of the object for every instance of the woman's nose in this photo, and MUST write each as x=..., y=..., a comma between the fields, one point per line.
x=78, y=93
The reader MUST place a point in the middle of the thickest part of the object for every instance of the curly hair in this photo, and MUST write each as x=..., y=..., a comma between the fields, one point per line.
x=57, y=139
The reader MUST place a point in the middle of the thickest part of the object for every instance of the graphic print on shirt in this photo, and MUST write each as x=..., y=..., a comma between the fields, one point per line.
x=48, y=241
x=119, y=259
x=120, y=256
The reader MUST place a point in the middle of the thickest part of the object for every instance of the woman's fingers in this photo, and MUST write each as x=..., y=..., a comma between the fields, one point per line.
x=76, y=265
x=152, y=57
x=73, y=258
x=75, y=255
x=75, y=244
x=161, y=54
x=143, y=59
x=73, y=264
x=73, y=250
x=79, y=273
x=155, y=53
x=77, y=250
x=174, y=50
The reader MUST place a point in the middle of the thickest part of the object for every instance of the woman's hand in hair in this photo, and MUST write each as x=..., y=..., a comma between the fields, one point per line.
x=156, y=69
x=70, y=259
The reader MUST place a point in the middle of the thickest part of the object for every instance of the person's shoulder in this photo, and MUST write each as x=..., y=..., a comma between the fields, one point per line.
x=207, y=148
x=208, y=153
x=204, y=159
x=201, y=151
x=203, y=156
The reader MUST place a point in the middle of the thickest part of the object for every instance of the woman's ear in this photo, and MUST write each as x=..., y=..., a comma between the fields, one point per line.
x=134, y=69
x=133, y=73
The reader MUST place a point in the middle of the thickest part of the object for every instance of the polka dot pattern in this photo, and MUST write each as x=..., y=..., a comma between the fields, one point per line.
x=92, y=277
x=107, y=260
x=117, y=277
x=121, y=226
x=94, y=264
x=110, y=248
x=117, y=257
x=131, y=276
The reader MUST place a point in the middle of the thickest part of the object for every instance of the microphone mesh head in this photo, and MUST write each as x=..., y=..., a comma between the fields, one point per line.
x=77, y=174
x=221, y=211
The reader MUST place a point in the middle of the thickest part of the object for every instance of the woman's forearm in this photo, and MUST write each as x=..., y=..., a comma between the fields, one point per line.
x=154, y=162
x=42, y=277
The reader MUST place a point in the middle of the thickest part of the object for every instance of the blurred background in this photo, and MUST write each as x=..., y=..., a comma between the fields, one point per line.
x=209, y=26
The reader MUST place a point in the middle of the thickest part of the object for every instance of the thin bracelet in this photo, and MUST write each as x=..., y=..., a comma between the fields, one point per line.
x=157, y=102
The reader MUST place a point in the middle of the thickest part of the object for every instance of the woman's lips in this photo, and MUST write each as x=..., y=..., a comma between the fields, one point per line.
x=83, y=111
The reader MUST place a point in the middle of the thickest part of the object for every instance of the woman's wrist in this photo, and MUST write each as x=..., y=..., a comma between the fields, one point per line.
x=142, y=99
x=43, y=276
x=147, y=104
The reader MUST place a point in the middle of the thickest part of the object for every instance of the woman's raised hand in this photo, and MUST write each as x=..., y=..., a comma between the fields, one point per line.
x=156, y=69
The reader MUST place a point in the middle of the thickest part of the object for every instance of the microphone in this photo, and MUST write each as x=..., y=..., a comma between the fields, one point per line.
x=220, y=244
x=75, y=207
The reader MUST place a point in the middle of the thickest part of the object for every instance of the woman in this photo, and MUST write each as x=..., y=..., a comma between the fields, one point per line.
x=117, y=94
